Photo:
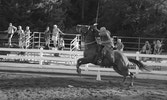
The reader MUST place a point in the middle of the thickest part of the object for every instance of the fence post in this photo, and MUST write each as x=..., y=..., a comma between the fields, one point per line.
x=33, y=45
x=98, y=78
x=75, y=62
x=41, y=55
x=39, y=41
x=86, y=67
x=137, y=58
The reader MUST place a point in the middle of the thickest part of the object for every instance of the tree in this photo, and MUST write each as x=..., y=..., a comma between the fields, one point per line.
x=121, y=17
x=35, y=13
x=133, y=17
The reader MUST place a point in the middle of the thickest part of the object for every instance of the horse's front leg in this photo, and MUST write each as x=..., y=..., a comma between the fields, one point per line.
x=132, y=78
x=80, y=62
x=78, y=65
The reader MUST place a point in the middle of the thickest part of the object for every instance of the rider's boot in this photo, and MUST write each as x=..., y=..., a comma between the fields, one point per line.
x=111, y=57
x=100, y=58
x=100, y=55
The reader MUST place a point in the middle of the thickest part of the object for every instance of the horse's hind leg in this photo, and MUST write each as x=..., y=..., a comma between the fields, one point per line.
x=124, y=79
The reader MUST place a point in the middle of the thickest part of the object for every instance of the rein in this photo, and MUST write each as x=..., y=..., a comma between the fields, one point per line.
x=90, y=43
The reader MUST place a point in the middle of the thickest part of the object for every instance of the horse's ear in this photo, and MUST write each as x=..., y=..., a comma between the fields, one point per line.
x=77, y=28
x=89, y=27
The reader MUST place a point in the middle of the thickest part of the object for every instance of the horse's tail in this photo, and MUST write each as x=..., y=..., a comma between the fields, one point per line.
x=139, y=64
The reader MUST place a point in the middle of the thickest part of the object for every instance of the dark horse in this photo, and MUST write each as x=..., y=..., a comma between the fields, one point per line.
x=121, y=62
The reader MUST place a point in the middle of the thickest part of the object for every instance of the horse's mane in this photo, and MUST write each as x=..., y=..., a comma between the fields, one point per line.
x=87, y=33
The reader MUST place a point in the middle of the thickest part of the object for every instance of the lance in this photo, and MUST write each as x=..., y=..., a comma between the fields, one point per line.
x=97, y=13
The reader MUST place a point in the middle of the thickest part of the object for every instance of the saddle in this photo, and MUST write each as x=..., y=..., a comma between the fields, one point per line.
x=102, y=54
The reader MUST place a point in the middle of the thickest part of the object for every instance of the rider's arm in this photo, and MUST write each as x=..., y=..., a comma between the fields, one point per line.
x=61, y=32
x=15, y=28
x=96, y=29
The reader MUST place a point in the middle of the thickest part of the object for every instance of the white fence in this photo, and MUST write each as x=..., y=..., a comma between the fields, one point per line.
x=74, y=55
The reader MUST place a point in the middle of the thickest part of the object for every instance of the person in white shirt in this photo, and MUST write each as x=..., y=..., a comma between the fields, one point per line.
x=11, y=30
x=47, y=37
x=27, y=36
x=21, y=37
x=56, y=35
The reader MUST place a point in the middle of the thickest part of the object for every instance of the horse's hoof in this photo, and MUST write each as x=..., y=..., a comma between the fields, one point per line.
x=79, y=71
x=131, y=84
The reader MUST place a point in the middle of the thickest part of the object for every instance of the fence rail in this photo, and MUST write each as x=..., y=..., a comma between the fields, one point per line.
x=76, y=54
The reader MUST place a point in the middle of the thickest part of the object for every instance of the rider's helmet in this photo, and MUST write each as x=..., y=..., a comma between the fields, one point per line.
x=95, y=24
x=55, y=26
x=102, y=29
x=27, y=27
x=19, y=27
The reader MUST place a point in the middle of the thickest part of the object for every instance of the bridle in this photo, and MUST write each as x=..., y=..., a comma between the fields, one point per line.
x=90, y=43
x=88, y=27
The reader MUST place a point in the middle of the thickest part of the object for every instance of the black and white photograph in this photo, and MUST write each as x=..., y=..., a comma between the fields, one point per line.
x=83, y=49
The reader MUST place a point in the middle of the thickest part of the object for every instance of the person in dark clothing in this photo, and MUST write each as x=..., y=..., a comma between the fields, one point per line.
x=47, y=37
x=152, y=47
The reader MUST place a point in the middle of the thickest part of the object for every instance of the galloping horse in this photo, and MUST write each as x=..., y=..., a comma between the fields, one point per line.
x=121, y=62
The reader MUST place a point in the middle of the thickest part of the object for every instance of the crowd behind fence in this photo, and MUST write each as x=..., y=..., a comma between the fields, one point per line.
x=130, y=43
x=136, y=43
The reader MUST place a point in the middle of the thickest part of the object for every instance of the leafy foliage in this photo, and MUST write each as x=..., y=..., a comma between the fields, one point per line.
x=35, y=13
x=121, y=17
x=133, y=18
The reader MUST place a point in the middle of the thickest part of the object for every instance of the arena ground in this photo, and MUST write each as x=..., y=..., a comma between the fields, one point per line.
x=27, y=86
x=40, y=86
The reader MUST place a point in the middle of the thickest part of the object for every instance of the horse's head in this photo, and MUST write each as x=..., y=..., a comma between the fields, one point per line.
x=82, y=29
x=87, y=32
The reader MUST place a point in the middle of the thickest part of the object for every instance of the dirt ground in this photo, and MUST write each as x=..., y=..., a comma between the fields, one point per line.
x=39, y=87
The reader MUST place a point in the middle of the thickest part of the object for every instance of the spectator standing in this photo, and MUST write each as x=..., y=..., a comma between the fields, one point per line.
x=21, y=37
x=153, y=46
x=27, y=36
x=47, y=37
x=56, y=35
x=119, y=45
x=11, y=30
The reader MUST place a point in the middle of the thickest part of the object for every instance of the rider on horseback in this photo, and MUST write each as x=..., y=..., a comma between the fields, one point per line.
x=106, y=41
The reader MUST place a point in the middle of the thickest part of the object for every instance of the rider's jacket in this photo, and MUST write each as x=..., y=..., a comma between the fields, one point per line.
x=105, y=38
